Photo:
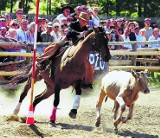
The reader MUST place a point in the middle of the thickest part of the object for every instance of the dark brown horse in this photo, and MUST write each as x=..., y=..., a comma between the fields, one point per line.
x=68, y=70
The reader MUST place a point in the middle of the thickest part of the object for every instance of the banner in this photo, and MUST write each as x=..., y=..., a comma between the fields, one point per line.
x=97, y=61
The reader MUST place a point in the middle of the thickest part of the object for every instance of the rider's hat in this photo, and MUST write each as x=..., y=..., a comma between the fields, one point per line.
x=84, y=16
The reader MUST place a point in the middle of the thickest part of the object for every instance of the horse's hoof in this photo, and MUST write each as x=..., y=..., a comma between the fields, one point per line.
x=16, y=111
x=52, y=123
x=73, y=113
x=116, y=130
x=97, y=124
x=123, y=119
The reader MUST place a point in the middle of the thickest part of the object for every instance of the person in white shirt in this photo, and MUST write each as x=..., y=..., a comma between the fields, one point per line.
x=22, y=36
x=95, y=18
x=142, y=33
x=155, y=36
x=125, y=37
x=56, y=32
x=21, y=32
x=66, y=11
x=138, y=36
x=147, y=24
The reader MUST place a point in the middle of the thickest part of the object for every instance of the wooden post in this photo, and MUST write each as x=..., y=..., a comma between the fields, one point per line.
x=28, y=50
x=134, y=48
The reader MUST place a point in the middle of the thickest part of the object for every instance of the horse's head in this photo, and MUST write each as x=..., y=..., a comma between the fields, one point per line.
x=101, y=43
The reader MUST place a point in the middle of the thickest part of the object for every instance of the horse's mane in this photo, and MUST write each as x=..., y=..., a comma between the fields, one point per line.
x=90, y=30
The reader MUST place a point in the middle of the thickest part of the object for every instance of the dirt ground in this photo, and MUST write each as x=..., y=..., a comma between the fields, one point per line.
x=144, y=124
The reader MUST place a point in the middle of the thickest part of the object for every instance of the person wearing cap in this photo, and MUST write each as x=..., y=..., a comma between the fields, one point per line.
x=3, y=22
x=46, y=35
x=148, y=28
x=66, y=11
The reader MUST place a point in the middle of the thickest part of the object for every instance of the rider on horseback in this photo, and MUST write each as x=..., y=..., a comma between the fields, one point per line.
x=77, y=29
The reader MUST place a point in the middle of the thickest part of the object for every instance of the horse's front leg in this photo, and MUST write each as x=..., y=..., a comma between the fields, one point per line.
x=76, y=103
x=122, y=104
x=55, y=104
x=130, y=114
x=25, y=91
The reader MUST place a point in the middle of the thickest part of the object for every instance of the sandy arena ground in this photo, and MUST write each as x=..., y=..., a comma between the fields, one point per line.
x=144, y=124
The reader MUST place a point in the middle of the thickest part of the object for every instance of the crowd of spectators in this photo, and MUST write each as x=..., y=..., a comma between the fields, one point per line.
x=22, y=30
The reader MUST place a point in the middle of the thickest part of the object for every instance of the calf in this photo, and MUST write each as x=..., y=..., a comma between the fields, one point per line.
x=122, y=87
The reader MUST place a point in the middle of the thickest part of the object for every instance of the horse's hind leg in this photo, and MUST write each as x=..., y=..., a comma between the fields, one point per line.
x=25, y=91
x=98, y=108
x=76, y=103
x=44, y=95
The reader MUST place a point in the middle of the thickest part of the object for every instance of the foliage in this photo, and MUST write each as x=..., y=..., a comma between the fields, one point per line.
x=129, y=8
x=154, y=78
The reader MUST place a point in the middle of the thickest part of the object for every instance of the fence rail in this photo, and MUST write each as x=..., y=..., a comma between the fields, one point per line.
x=113, y=64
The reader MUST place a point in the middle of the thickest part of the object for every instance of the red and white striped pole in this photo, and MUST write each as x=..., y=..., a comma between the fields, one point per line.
x=30, y=116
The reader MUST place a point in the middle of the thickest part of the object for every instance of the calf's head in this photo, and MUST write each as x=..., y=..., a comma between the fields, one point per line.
x=142, y=81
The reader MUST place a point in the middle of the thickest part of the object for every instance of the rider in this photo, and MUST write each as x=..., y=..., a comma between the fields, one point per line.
x=76, y=30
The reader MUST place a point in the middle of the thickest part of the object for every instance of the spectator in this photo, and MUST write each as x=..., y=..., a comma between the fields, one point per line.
x=113, y=23
x=3, y=35
x=95, y=18
x=21, y=32
x=120, y=22
x=46, y=35
x=43, y=24
x=142, y=33
x=138, y=36
x=56, y=32
x=153, y=37
x=14, y=25
x=30, y=32
x=8, y=19
x=19, y=16
x=22, y=36
x=76, y=13
x=12, y=34
x=66, y=11
x=3, y=22
x=6, y=38
x=63, y=20
x=125, y=37
x=107, y=25
x=132, y=35
x=115, y=36
x=90, y=13
x=84, y=8
x=149, y=30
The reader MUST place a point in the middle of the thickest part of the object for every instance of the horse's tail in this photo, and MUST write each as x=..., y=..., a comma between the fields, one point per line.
x=26, y=75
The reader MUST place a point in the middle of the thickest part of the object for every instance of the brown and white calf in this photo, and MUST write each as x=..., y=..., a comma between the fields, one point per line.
x=123, y=87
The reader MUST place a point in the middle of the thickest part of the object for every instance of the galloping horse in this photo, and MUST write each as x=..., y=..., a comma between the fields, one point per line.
x=68, y=70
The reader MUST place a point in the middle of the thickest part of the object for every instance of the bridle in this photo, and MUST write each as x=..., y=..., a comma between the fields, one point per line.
x=96, y=36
